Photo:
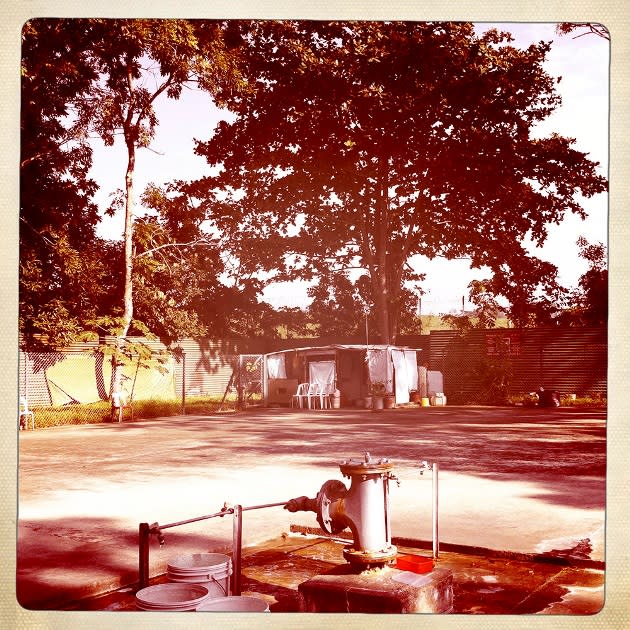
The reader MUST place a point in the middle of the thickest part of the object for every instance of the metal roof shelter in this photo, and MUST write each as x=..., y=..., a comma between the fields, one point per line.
x=350, y=369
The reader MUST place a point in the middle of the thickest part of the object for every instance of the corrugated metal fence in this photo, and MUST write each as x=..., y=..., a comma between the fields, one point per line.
x=570, y=360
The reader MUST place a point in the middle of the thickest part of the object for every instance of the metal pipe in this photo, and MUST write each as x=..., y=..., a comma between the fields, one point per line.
x=143, y=538
x=183, y=383
x=223, y=512
x=435, y=537
x=266, y=505
x=26, y=392
x=237, y=540
x=265, y=382
x=145, y=531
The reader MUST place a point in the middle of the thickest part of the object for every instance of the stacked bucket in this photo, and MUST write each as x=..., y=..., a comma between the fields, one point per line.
x=212, y=570
x=200, y=581
x=171, y=596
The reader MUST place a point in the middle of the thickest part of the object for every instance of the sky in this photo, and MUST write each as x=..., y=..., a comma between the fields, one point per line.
x=583, y=64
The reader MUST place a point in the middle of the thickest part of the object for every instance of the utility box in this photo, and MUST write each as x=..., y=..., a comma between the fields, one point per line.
x=438, y=399
x=435, y=382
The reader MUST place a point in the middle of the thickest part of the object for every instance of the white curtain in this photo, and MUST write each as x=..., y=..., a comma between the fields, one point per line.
x=402, y=376
x=323, y=373
x=379, y=368
x=412, y=368
x=276, y=367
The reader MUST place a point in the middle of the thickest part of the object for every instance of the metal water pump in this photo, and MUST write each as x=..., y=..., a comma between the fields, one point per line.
x=364, y=508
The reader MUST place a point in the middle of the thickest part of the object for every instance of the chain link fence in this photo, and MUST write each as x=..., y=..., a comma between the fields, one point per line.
x=75, y=387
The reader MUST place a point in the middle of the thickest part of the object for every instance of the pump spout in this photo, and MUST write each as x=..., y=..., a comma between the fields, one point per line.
x=301, y=504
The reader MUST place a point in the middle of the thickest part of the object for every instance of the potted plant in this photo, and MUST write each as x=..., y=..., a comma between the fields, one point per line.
x=387, y=395
x=389, y=400
x=377, y=390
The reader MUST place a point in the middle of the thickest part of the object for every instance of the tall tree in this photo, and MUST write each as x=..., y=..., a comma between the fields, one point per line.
x=486, y=308
x=583, y=28
x=594, y=283
x=588, y=302
x=64, y=287
x=137, y=61
x=337, y=308
x=365, y=143
x=186, y=284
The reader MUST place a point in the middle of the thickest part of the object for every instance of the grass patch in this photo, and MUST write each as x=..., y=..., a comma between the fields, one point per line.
x=92, y=413
x=100, y=412
x=566, y=400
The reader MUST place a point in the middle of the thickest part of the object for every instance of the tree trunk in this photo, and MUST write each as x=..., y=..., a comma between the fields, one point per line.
x=128, y=291
x=128, y=254
x=381, y=302
x=379, y=273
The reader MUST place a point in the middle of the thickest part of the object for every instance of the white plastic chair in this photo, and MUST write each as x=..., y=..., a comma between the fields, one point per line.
x=25, y=414
x=327, y=392
x=120, y=402
x=301, y=395
x=315, y=391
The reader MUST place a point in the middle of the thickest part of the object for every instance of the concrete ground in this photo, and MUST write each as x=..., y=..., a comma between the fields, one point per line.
x=519, y=480
x=483, y=583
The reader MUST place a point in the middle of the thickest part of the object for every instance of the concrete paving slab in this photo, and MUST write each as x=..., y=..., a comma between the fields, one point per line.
x=482, y=583
x=524, y=480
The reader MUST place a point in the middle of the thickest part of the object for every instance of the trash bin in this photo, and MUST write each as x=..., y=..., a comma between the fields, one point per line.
x=548, y=398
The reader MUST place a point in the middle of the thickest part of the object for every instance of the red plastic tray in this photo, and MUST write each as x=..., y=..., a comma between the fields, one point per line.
x=417, y=564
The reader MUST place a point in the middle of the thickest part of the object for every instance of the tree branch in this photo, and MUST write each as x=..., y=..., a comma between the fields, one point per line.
x=159, y=247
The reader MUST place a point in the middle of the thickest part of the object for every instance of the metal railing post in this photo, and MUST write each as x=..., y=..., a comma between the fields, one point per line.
x=239, y=383
x=145, y=531
x=143, y=535
x=237, y=541
x=388, y=535
x=264, y=382
x=434, y=511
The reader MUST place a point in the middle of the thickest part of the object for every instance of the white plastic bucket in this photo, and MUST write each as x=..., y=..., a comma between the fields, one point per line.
x=234, y=603
x=211, y=570
x=171, y=596
x=377, y=403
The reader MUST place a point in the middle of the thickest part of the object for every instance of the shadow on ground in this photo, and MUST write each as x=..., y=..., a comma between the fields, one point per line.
x=85, y=560
x=562, y=450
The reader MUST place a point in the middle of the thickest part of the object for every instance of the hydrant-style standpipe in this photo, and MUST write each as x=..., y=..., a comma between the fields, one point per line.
x=364, y=508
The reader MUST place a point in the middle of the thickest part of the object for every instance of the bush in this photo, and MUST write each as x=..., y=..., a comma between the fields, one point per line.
x=494, y=378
